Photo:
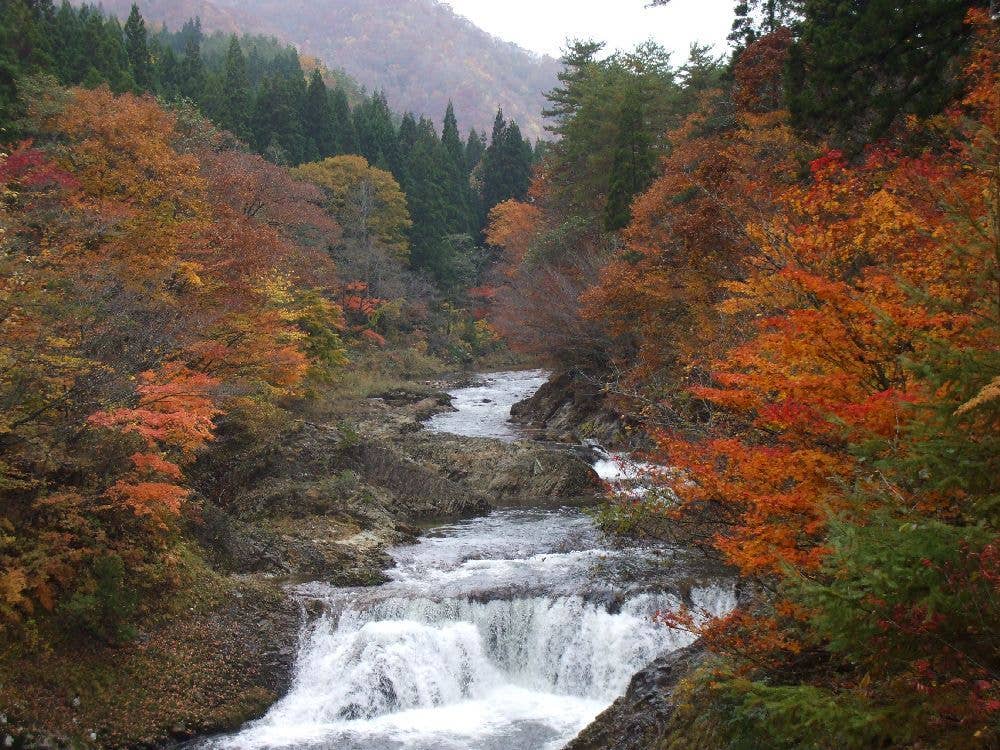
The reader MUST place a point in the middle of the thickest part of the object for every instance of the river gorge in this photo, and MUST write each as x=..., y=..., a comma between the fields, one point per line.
x=509, y=631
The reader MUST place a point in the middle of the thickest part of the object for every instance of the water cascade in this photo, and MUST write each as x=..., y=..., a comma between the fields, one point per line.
x=509, y=632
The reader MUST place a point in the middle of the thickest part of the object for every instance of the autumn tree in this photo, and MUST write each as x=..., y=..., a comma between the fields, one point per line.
x=851, y=462
x=366, y=201
x=129, y=331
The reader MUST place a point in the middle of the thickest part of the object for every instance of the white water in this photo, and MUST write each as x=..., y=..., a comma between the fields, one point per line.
x=509, y=632
x=483, y=410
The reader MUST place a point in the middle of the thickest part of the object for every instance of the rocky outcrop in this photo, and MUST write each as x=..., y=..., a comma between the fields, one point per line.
x=217, y=658
x=639, y=719
x=571, y=408
x=508, y=473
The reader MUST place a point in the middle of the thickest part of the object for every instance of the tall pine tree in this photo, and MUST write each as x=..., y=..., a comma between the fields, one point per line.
x=191, y=71
x=506, y=165
x=137, y=48
x=237, y=97
x=317, y=120
x=343, y=125
x=633, y=165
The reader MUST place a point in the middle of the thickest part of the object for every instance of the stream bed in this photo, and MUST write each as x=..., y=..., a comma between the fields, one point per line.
x=506, y=632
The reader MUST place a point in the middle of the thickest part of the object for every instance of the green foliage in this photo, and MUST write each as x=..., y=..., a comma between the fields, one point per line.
x=237, y=98
x=506, y=169
x=798, y=717
x=857, y=68
x=137, y=48
x=600, y=107
x=104, y=603
x=633, y=167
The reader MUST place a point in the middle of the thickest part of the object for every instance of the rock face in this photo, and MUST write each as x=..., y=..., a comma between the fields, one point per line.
x=570, y=409
x=508, y=473
x=638, y=720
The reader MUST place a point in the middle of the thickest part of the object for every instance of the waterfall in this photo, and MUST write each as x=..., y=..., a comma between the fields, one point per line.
x=508, y=632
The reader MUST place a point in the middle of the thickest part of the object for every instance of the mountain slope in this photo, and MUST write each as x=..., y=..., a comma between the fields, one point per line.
x=420, y=51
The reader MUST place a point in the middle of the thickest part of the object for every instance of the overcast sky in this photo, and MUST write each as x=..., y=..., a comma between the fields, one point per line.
x=543, y=25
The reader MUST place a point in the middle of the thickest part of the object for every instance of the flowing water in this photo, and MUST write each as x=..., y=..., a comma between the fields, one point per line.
x=508, y=632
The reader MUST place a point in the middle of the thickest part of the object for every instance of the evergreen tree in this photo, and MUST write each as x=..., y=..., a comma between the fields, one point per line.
x=429, y=189
x=24, y=48
x=237, y=97
x=585, y=111
x=407, y=136
x=190, y=33
x=451, y=140
x=506, y=165
x=475, y=147
x=377, y=134
x=137, y=48
x=276, y=122
x=67, y=45
x=317, y=120
x=860, y=66
x=168, y=72
x=757, y=18
x=465, y=219
x=343, y=124
x=191, y=71
x=633, y=166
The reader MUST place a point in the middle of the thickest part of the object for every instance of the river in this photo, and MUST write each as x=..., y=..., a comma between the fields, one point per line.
x=507, y=632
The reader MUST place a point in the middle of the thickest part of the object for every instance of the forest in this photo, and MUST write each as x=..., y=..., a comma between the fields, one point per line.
x=210, y=190
x=784, y=265
x=383, y=44
x=781, y=266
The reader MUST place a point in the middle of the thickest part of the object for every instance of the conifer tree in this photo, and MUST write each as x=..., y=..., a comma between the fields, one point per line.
x=67, y=49
x=377, y=134
x=24, y=48
x=450, y=138
x=464, y=220
x=475, y=147
x=136, y=45
x=276, y=122
x=317, y=120
x=168, y=72
x=858, y=68
x=191, y=71
x=633, y=166
x=506, y=164
x=429, y=175
x=238, y=99
x=343, y=125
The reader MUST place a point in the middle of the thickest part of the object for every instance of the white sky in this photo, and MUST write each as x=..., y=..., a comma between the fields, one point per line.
x=543, y=25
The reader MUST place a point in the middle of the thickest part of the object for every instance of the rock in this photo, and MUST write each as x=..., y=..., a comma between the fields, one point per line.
x=637, y=720
x=507, y=472
x=570, y=409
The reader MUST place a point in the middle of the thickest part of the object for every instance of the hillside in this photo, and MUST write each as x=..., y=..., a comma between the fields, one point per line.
x=419, y=51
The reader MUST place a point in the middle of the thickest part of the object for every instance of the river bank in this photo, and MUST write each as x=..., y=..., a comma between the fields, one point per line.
x=325, y=501
x=332, y=566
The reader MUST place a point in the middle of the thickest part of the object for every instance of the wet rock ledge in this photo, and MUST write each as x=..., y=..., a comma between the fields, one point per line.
x=639, y=719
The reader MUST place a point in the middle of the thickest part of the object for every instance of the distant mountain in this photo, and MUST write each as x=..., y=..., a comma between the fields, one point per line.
x=420, y=51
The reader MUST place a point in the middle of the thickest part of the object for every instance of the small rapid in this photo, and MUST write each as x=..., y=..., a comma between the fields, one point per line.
x=511, y=631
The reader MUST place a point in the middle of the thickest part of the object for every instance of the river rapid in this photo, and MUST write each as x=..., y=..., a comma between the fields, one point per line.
x=507, y=632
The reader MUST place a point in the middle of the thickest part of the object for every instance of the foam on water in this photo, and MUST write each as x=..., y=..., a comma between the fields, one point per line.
x=483, y=410
x=509, y=632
